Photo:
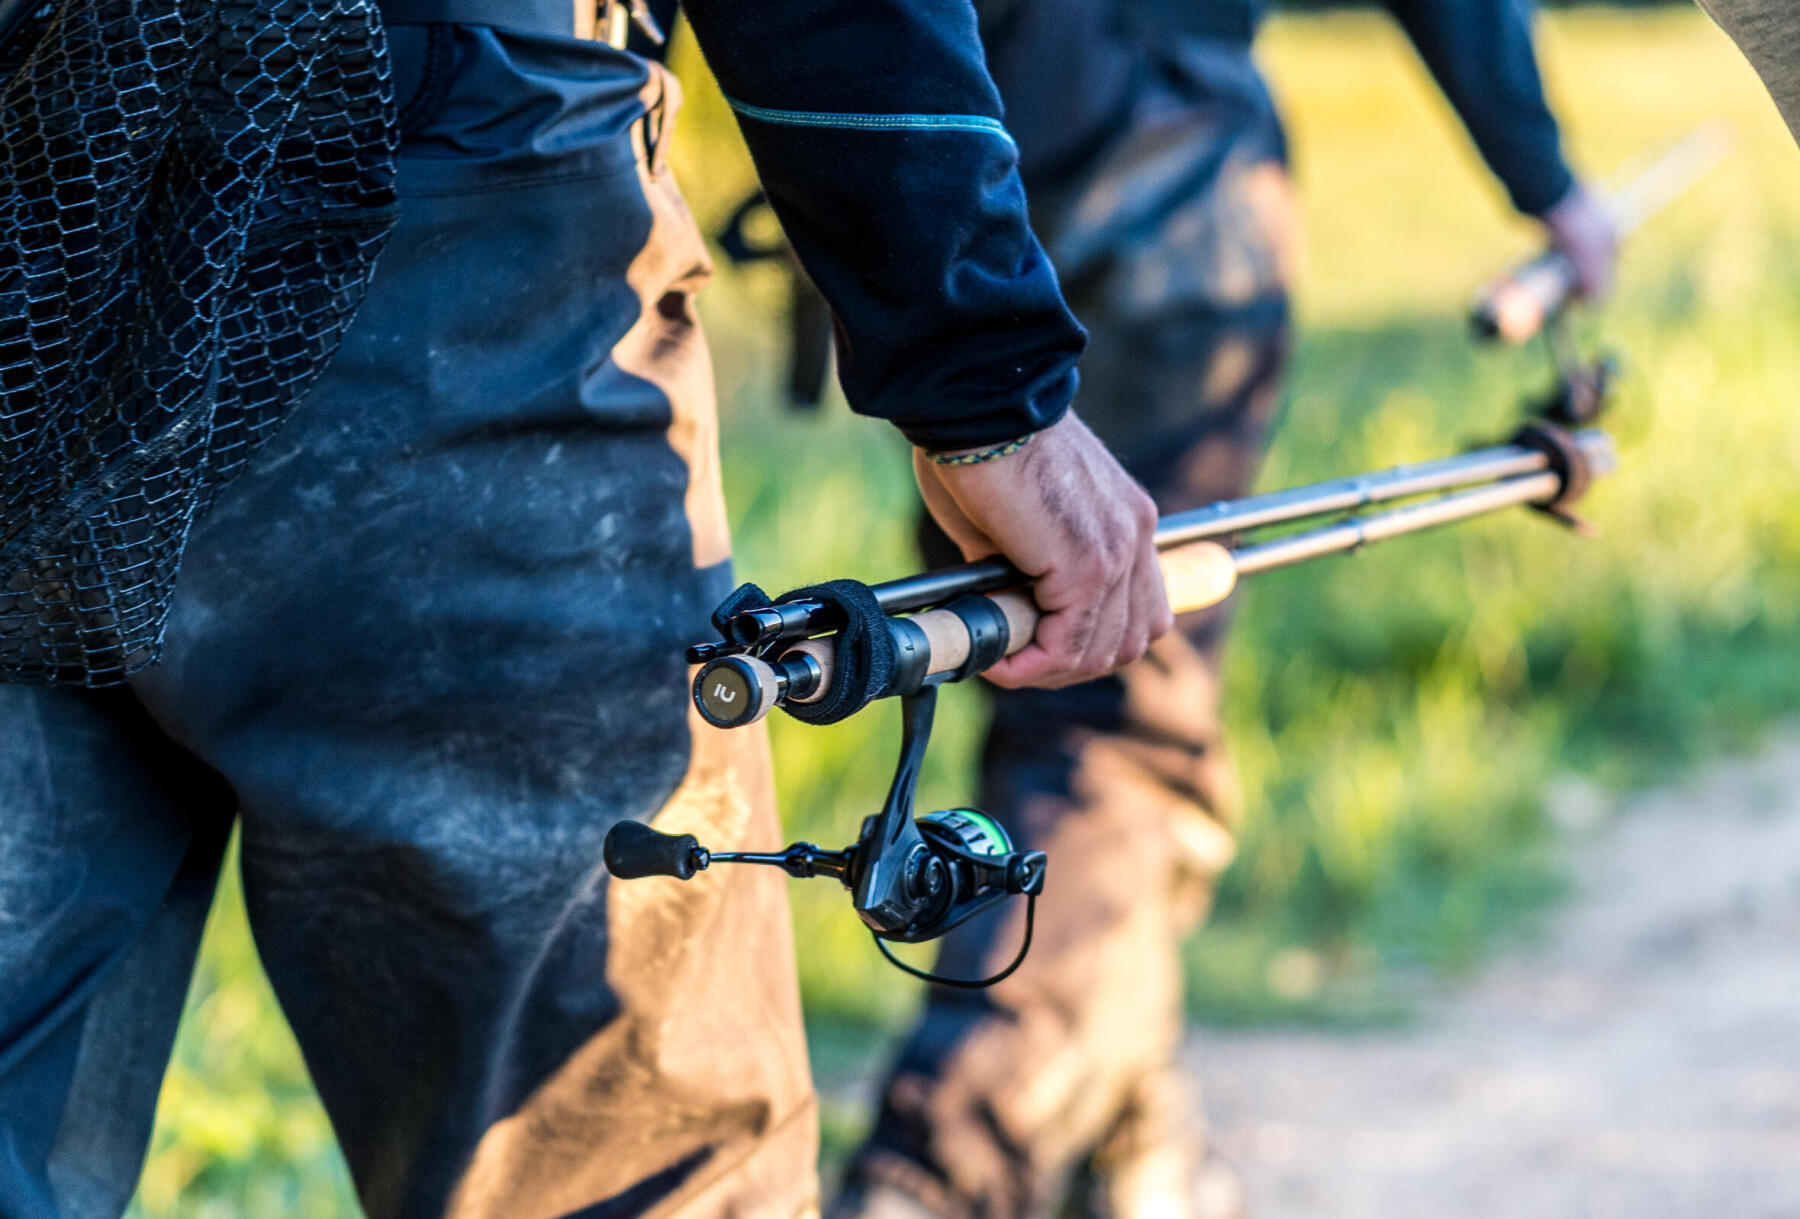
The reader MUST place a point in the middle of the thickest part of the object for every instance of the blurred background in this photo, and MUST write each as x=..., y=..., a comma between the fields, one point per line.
x=1426, y=730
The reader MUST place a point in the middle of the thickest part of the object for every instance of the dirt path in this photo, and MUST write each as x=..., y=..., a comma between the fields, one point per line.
x=1642, y=1061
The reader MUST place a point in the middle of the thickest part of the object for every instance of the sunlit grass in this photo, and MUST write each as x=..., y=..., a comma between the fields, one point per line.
x=1397, y=716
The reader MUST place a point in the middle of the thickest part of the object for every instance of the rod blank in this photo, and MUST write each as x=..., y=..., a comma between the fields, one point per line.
x=1358, y=532
x=1348, y=494
x=1260, y=511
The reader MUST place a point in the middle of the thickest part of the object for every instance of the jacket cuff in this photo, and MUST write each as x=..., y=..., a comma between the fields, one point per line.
x=1537, y=193
x=980, y=428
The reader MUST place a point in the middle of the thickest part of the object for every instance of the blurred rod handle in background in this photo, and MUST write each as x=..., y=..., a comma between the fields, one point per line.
x=1513, y=306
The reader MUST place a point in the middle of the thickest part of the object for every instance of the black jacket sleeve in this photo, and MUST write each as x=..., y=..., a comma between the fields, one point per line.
x=1480, y=51
x=876, y=132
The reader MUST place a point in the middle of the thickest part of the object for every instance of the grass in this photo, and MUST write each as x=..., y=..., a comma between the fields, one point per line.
x=1398, y=717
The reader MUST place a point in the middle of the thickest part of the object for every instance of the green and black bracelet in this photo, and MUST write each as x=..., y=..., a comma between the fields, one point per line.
x=978, y=456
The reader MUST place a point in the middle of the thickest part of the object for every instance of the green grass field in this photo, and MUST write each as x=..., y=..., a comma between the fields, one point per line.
x=1398, y=717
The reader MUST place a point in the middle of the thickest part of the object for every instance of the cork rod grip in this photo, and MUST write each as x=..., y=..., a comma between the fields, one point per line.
x=1515, y=306
x=1195, y=576
x=946, y=637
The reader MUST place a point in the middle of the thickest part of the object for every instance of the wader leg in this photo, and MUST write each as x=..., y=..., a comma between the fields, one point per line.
x=434, y=638
x=110, y=841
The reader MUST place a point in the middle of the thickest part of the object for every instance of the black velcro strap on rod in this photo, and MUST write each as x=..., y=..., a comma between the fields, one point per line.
x=863, y=659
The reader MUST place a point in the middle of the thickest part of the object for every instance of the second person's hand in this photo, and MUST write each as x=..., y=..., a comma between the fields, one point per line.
x=1584, y=230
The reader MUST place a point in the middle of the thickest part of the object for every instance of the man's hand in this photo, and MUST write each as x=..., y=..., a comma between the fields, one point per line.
x=1065, y=513
x=1583, y=229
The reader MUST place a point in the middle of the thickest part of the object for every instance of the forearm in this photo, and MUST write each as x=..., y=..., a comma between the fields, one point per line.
x=1481, y=54
x=877, y=134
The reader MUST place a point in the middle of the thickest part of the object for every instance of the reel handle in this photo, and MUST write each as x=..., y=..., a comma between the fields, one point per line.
x=633, y=850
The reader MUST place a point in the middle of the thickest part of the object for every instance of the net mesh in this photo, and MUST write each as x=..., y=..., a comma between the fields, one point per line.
x=192, y=195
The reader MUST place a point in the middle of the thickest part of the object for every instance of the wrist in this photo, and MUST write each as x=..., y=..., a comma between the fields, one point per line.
x=980, y=455
x=1545, y=192
x=1561, y=205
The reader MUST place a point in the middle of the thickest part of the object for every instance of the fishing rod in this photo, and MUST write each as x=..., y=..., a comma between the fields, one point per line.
x=784, y=653
x=826, y=652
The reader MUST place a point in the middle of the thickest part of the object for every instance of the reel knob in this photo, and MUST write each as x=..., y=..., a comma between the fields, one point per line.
x=633, y=850
x=736, y=690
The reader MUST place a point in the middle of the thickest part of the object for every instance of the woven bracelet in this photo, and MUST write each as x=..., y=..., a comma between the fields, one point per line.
x=979, y=455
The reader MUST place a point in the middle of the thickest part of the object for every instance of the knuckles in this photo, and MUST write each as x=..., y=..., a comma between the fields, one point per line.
x=1102, y=575
x=1143, y=511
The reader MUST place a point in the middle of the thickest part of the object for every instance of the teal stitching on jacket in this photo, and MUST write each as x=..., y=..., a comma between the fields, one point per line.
x=873, y=122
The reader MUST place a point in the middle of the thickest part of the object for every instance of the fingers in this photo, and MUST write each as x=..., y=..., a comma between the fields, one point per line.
x=1150, y=599
x=1593, y=259
x=1099, y=613
x=1100, y=651
x=1132, y=602
x=1148, y=596
x=1078, y=635
x=1084, y=642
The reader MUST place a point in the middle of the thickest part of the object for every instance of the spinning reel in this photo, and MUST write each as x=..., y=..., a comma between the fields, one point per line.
x=911, y=878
